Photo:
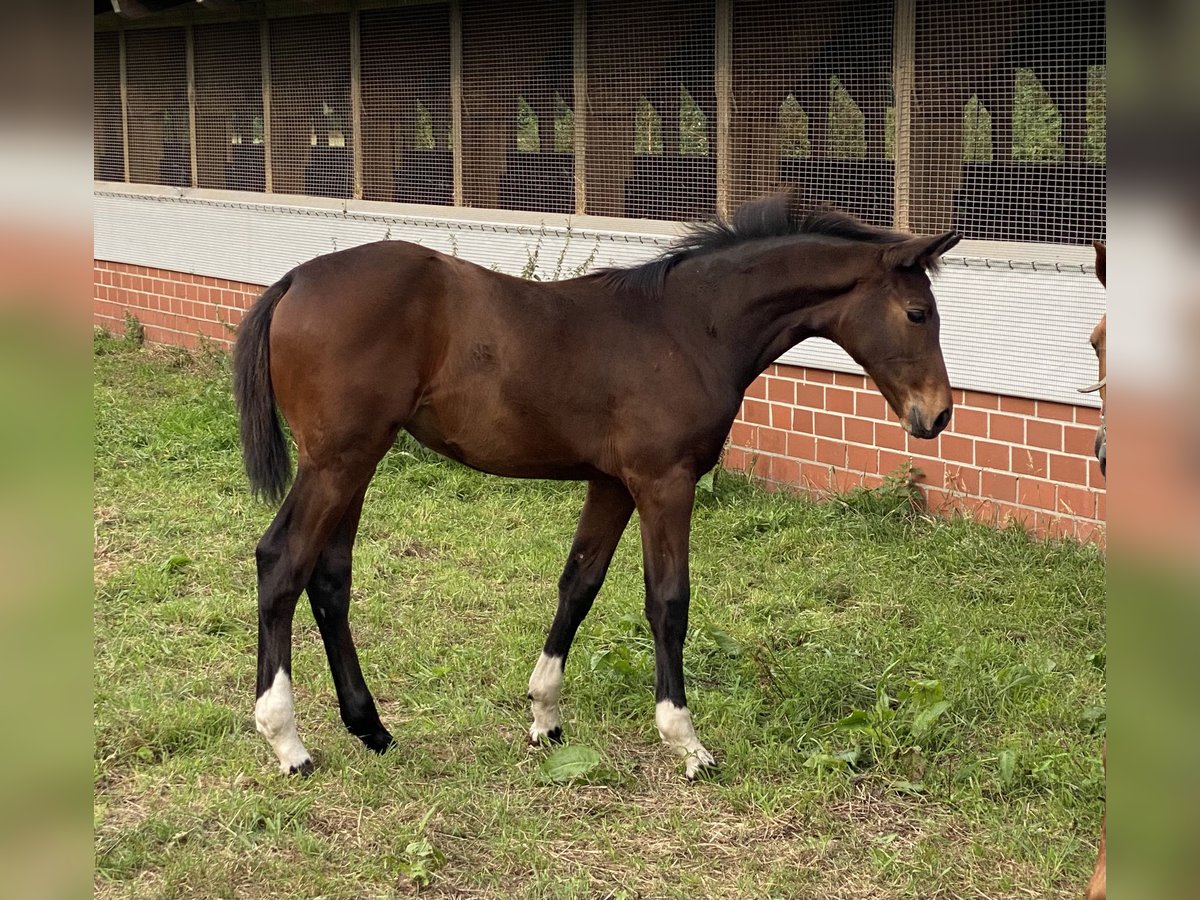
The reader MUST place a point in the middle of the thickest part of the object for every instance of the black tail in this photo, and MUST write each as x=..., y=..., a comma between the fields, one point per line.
x=264, y=446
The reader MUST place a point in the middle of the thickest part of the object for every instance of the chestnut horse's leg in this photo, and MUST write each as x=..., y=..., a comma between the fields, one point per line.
x=605, y=514
x=286, y=556
x=329, y=596
x=665, y=509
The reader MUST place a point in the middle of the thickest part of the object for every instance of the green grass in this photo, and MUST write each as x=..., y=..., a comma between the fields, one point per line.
x=973, y=657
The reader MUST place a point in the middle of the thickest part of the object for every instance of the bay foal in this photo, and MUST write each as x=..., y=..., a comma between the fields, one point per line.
x=628, y=379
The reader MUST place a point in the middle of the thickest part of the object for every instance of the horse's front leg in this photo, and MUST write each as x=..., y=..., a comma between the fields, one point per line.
x=665, y=509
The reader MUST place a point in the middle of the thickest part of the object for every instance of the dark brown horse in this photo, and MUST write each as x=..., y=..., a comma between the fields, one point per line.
x=1097, y=888
x=628, y=379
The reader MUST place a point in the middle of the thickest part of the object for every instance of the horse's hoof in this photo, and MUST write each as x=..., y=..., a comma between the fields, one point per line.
x=378, y=741
x=538, y=737
x=700, y=764
x=305, y=768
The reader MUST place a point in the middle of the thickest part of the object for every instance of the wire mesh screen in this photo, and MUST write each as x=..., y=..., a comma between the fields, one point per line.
x=310, y=106
x=405, y=78
x=518, y=105
x=156, y=86
x=651, y=109
x=229, y=108
x=108, y=142
x=812, y=103
x=1008, y=127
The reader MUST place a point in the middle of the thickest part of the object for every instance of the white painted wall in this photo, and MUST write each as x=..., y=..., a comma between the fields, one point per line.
x=1015, y=317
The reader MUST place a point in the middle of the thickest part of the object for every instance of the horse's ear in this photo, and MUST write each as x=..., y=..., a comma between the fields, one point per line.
x=1101, y=261
x=920, y=251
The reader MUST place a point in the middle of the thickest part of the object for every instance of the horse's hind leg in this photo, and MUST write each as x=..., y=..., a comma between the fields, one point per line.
x=605, y=514
x=329, y=595
x=286, y=556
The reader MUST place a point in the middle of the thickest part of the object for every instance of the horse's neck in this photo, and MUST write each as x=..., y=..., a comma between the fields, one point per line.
x=766, y=305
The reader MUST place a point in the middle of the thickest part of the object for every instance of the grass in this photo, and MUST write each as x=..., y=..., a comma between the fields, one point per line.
x=901, y=707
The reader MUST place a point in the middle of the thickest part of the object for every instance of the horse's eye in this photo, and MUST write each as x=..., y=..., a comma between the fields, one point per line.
x=916, y=315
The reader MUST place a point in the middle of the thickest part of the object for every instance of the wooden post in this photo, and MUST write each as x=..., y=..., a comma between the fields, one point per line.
x=456, y=108
x=356, y=149
x=724, y=87
x=581, y=106
x=903, y=86
x=124, y=103
x=191, y=99
x=264, y=41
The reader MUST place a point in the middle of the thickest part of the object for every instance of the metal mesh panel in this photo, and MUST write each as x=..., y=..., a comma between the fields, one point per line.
x=310, y=106
x=518, y=101
x=1008, y=120
x=108, y=144
x=651, y=109
x=812, y=103
x=405, y=76
x=156, y=85
x=229, y=108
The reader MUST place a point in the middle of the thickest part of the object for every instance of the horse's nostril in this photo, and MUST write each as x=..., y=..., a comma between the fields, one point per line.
x=942, y=420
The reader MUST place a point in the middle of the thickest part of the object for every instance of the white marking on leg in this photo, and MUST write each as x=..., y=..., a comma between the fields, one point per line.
x=545, y=687
x=275, y=718
x=675, y=728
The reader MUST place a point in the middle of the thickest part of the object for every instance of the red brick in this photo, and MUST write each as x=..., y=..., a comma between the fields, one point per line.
x=802, y=420
x=827, y=425
x=1088, y=415
x=1058, y=411
x=781, y=416
x=782, y=469
x=818, y=376
x=956, y=449
x=1079, y=440
x=772, y=441
x=1019, y=405
x=1044, y=434
x=862, y=459
x=1031, y=492
x=859, y=431
x=839, y=400
x=756, y=412
x=801, y=446
x=1068, y=469
x=963, y=480
x=893, y=463
x=782, y=390
x=992, y=456
x=847, y=379
x=980, y=401
x=969, y=421
x=831, y=452
x=810, y=395
x=758, y=388
x=933, y=471
x=743, y=435
x=1076, y=501
x=891, y=436
x=1095, y=479
x=1102, y=506
x=815, y=476
x=1030, y=462
x=870, y=405
x=735, y=458
x=1006, y=428
x=999, y=486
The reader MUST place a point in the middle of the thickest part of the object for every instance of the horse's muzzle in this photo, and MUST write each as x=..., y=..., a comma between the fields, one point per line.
x=1102, y=447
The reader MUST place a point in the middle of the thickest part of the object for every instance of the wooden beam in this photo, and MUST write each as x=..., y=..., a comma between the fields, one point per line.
x=580, y=119
x=904, y=43
x=190, y=38
x=356, y=148
x=264, y=41
x=456, y=109
x=723, y=75
x=124, y=102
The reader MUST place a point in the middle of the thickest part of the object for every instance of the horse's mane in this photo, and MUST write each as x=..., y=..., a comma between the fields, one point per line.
x=772, y=217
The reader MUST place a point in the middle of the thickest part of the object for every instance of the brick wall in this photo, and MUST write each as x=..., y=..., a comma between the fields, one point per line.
x=1001, y=459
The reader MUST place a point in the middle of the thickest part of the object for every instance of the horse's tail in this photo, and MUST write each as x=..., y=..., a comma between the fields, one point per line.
x=264, y=446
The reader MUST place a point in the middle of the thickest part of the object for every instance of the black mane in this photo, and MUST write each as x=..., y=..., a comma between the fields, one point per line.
x=776, y=216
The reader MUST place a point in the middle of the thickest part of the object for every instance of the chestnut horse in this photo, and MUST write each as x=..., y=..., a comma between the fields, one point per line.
x=1097, y=886
x=628, y=379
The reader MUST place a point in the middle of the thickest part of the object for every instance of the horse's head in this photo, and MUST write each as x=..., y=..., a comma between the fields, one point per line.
x=1098, y=340
x=894, y=329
